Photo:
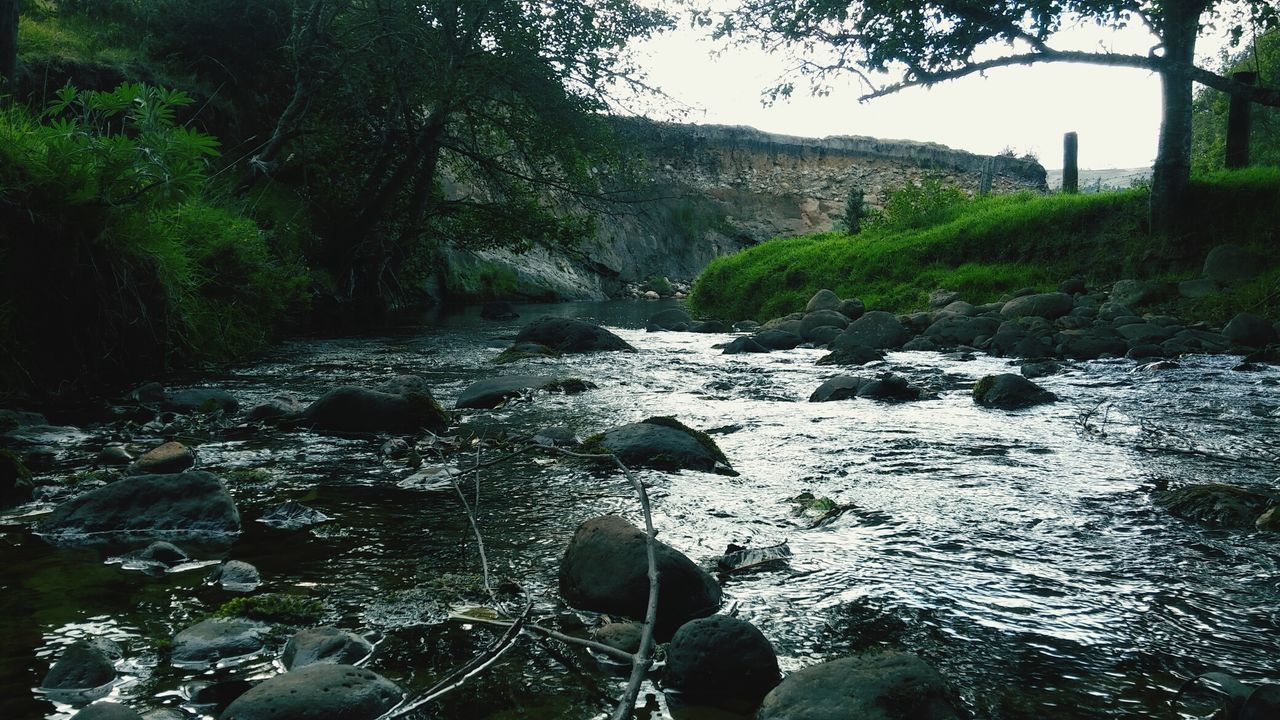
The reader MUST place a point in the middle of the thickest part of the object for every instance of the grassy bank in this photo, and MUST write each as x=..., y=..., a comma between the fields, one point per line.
x=995, y=245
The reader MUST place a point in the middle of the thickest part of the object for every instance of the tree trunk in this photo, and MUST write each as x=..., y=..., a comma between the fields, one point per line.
x=1180, y=24
x=8, y=39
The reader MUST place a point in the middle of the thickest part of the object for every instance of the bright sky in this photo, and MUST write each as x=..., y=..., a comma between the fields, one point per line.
x=1116, y=111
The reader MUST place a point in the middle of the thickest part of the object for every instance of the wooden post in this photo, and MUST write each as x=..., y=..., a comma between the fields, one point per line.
x=1238, y=124
x=1070, y=168
x=988, y=171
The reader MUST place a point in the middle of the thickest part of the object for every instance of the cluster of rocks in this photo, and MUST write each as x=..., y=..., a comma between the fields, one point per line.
x=656, y=289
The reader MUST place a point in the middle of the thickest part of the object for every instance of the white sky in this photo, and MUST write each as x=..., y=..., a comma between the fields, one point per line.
x=1116, y=111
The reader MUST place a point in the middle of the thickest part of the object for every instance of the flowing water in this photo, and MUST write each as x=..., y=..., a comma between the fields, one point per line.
x=1019, y=552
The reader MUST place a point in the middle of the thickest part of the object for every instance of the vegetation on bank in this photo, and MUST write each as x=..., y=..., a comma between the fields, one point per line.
x=991, y=246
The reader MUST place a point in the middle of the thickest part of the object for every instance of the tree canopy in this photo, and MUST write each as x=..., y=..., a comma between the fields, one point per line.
x=938, y=40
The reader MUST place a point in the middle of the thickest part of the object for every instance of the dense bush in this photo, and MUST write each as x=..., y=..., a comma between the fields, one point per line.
x=113, y=260
x=1209, y=121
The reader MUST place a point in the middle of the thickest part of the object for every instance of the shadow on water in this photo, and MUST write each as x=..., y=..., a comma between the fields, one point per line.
x=1019, y=552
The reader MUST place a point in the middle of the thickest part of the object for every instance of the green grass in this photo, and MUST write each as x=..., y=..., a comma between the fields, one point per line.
x=72, y=39
x=993, y=246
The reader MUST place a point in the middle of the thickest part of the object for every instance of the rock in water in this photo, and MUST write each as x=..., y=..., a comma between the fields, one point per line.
x=81, y=667
x=886, y=685
x=325, y=644
x=777, y=339
x=190, y=505
x=218, y=639
x=171, y=457
x=401, y=405
x=570, y=335
x=1250, y=331
x=236, y=576
x=663, y=443
x=199, y=400
x=498, y=310
x=605, y=569
x=720, y=662
x=669, y=319
x=492, y=392
x=292, y=516
x=877, y=330
x=1009, y=392
x=1216, y=504
x=744, y=345
x=106, y=711
x=331, y=692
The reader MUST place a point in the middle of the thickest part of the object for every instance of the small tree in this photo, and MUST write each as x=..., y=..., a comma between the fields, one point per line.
x=855, y=209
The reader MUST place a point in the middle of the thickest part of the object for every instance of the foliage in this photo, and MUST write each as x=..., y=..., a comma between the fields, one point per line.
x=926, y=202
x=992, y=246
x=275, y=608
x=1209, y=138
x=113, y=259
x=855, y=209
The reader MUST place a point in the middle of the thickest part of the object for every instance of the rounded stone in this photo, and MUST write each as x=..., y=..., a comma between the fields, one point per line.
x=325, y=644
x=107, y=711
x=886, y=685
x=721, y=662
x=82, y=666
x=332, y=692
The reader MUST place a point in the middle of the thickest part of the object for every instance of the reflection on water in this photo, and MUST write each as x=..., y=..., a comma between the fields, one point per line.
x=1018, y=552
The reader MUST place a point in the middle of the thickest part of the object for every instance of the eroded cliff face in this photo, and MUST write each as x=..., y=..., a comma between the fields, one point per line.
x=717, y=189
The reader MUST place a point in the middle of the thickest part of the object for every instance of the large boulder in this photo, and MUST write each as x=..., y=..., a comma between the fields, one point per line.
x=401, y=405
x=1008, y=391
x=886, y=685
x=956, y=330
x=82, y=666
x=492, y=392
x=823, y=300
x=1232, y=265
x=1250, y=330
x=605, y=569
x=1136, y=293
x=570, y=335
x=744, y=344
x=777, y=339
x=216, y=639
x=664, y=443
x=669, y=319
x=190, y=505
x=317, y=692
x=821, y=319
x=852, y=308
x=279, y=407
x=851, y=355
x=877, y=330
x=1049, y=306
x=325, y=644
x=1216, y=504
x=1090, y=344
x=720, y=662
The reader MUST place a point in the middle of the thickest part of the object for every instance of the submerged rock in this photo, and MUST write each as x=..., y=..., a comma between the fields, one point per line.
x=492, y=392
x=524, y=351
x=663, y=443
x=159, y=553
x=279, y=407
x=190, y=505
x=217, y=639
x=1008, y=391
x=571, y=335
x=341, y=692
x=1216, y=504
x=886, y=685
x=107, y=711
x=498, y=310
x=325, y=644
x=292, y=516
x=199, y=400
x=236, y=576
x=744, y=345
x=720, y=662
x=605, y=569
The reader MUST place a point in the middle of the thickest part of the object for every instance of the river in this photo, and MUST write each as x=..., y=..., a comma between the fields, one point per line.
x=1019, y=552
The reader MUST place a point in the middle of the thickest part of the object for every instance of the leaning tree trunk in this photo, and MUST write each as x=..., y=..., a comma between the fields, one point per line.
x=1172, y=171
x=8, y=39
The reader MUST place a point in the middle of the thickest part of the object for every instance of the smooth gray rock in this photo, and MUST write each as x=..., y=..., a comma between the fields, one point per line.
x=1198, y=288
x=107, y=711
x=822, y=318
x=1232, y=265
x=823, y=300
x=1136, y=293
x=851, y=308
x=236, y=576
x=218, y=639
x=744, y=345
x=956, y=330
x=331, y=692
x=665, y=444
x=571, y=335
x=669, y=319
x=941, y=298
x=605, y=569
x=492, y=392
x=170, y=457
x=114, y=455
x=720, y=662
x=885, y=387
x=885, y=685
x=1008, y=392
x=81, y=666
x=1044, y=368
x=279, y=407
x=778, y=339
x=399, y=406
x=161, y=553
x=877, y=329
x=190, y=505
x=1250, y=330
x=624, y=636
x=1049, y=306
x=325, y=644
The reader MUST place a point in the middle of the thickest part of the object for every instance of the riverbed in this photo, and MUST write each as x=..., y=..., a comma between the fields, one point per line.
x=1019, y=552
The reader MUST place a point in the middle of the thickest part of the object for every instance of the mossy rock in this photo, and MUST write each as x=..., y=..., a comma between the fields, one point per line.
x=525, y=351
x=1216, y=504
x=274, y=608
x=663, y=443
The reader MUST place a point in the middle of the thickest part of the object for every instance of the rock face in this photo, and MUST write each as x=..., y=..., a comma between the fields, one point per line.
x=1009, y=392
x=325, y=644
x=218, y=639
x=720, y=662
x=663, y=443
x=340, y=692
x=723, y=189
x=570, y=335
x=605, y=569
x=492, y=392
x=404, y=404
x=886, y=685
x=191, y=505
